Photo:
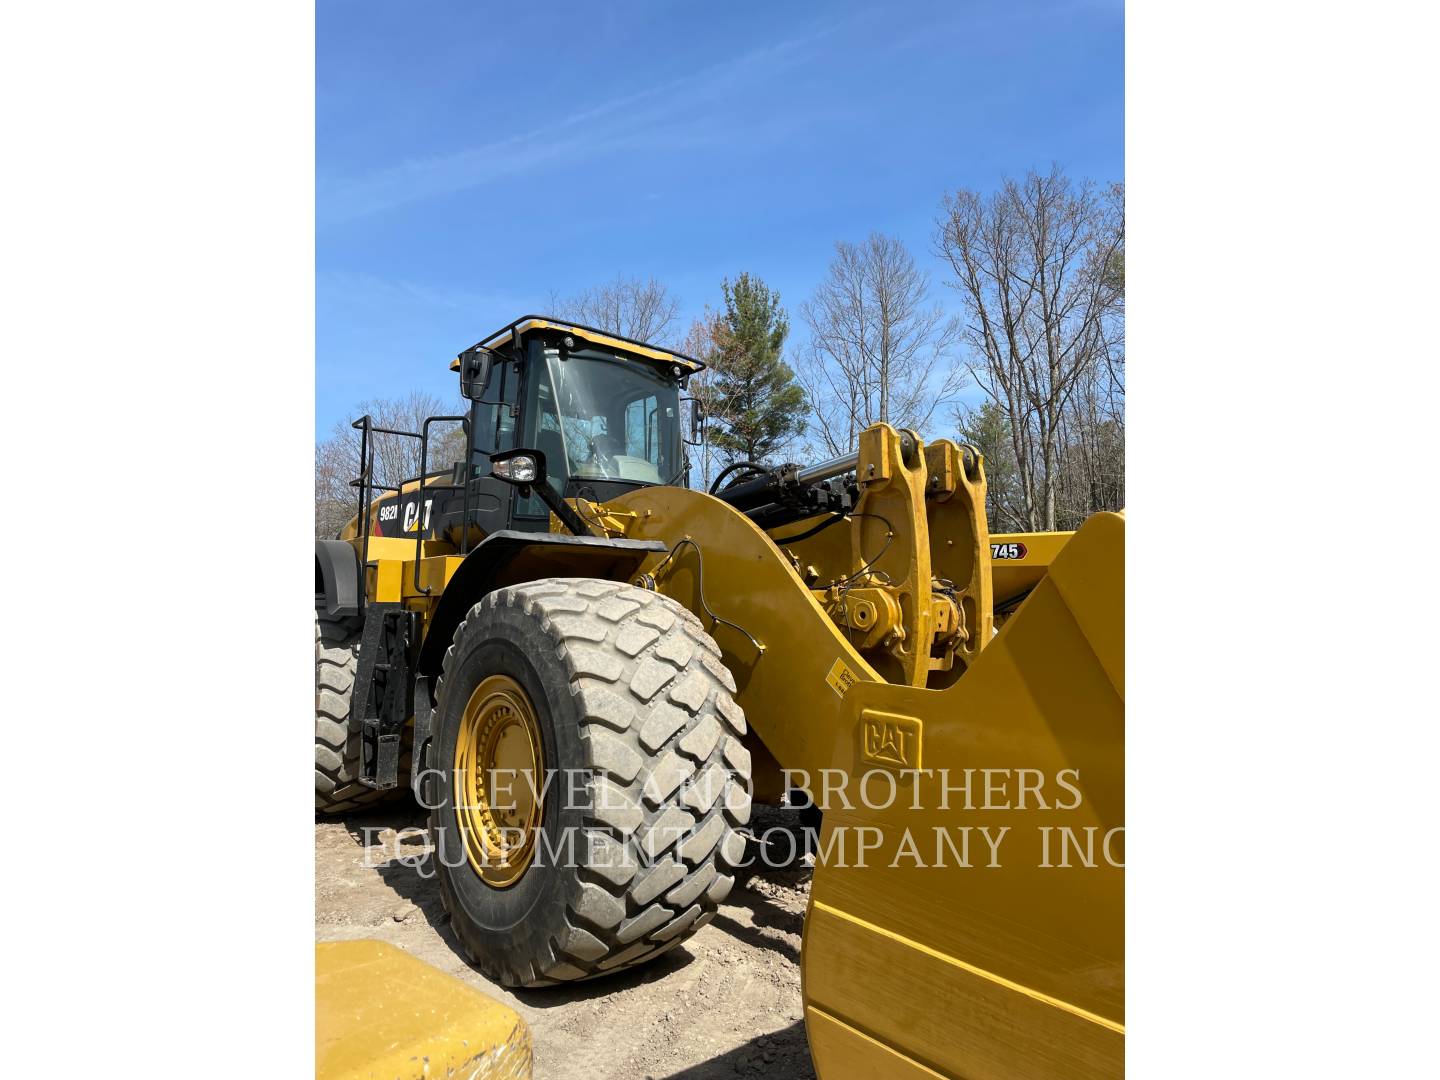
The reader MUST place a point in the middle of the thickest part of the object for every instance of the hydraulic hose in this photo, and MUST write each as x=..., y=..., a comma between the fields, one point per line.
x=748, y=466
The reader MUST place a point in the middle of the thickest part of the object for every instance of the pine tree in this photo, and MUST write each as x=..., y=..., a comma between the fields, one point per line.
x=988, y=430
x=756, y=404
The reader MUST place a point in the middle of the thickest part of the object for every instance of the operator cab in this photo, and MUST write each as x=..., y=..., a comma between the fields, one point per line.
x=603, y=409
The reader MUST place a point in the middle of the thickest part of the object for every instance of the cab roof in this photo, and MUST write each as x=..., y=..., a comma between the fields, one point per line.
x=603, y=338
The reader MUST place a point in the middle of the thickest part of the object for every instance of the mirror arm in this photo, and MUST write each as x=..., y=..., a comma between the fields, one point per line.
x=561, y=509
x=541, y=486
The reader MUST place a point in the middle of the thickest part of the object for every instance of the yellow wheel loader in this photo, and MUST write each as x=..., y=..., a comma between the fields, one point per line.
x=588, y=671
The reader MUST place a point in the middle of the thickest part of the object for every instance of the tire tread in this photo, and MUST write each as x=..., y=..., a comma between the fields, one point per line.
x=654, y=698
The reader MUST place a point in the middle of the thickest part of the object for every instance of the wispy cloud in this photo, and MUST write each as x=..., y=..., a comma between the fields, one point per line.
x=386, y=295
x=625, y=121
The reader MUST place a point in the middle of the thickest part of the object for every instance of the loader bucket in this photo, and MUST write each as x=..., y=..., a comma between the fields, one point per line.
x=974, y=926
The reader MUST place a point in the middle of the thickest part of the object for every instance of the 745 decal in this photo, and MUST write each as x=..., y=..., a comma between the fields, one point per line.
x=1007, y=551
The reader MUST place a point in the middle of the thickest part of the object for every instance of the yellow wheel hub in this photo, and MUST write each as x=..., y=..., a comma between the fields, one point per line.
x=499, y=769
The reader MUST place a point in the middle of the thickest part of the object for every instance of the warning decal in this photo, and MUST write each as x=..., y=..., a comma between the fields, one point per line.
x=841, y=678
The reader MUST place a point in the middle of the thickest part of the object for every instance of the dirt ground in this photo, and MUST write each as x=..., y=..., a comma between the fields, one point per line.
x=725, y=1003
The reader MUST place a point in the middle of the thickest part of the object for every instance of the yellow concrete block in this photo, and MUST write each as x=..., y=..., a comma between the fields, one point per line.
x=381, y=1014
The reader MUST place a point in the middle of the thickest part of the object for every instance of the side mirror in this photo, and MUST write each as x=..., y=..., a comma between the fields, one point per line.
x=474, y=373
x=697, y=419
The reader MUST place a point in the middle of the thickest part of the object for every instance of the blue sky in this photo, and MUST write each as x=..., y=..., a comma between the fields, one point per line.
x=473, y=157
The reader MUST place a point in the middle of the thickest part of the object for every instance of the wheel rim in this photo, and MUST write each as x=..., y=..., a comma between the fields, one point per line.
x=498, y=760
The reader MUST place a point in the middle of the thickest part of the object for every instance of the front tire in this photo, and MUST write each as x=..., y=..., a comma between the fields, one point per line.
x=645, y=782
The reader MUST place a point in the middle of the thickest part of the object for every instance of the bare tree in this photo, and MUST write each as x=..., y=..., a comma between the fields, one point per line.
x=396, y=459
x=878, y=351
x=642, y=310
x=335, y=500
x=1092, y=450
x=1039, y=265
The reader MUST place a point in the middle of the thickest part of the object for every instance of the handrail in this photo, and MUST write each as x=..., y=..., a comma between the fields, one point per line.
x=367, y=486
x=420, y=517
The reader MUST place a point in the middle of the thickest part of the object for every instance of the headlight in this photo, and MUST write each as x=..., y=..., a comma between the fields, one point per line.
x=520, y=469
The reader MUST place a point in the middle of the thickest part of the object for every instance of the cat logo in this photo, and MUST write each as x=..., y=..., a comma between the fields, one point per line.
x=412, y=512
x=1008, y=551
x=889, y=740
